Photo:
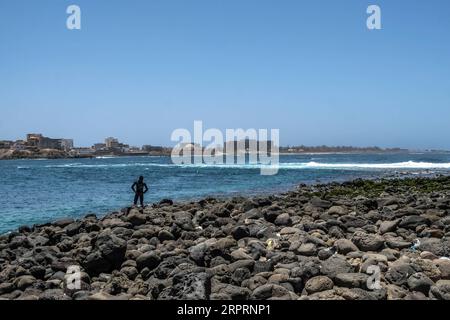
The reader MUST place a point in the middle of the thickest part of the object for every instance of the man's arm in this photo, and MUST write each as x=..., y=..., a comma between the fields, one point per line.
x=146, y=188
x=133, y=187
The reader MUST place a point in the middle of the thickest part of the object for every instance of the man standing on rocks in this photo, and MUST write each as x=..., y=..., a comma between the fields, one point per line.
x=139, y=188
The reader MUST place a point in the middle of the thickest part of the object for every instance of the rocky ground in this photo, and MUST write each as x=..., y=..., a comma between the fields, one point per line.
x=9, y=154
x=315, y=242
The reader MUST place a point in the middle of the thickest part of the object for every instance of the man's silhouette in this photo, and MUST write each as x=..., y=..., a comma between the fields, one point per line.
x=139, y=188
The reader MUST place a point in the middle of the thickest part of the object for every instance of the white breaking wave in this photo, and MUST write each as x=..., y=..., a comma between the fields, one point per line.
x=283, y=165
x=395, y=165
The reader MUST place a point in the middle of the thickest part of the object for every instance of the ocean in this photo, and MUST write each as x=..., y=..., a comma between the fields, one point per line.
x=39, y=191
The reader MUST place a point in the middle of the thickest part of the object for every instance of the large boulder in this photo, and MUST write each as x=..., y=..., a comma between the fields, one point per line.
x=318, y=284
x=399, y=273
x=441, y=290
x=420, y=282
x=136, y=218
x=388, y=226
x=108, y=254
x=335, y=265
x=352, y=280
x=240, y=232
x=367, y=242
x=344, y=246
x=24, y=282
x=320, y=203
x=191, y=286
x=149, y=260
x=271, y=291
x=439, y=247
x=412, y=222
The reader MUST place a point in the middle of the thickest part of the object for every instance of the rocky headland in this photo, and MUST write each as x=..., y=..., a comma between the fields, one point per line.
x=360, y=240
x=10, y=154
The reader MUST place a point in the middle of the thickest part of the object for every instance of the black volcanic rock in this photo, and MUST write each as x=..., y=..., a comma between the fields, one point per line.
x=315, y=242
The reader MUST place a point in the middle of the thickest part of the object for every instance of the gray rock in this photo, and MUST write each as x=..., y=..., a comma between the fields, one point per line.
x=336, y=265
x=165, y=235
x=307, y=249
x=318, y=284
x=63, y=222
x=367, y=242
x=6, y=287
x=148, y=233
x=228, y=291
x=108, y=255
x=191, y=286
x=95, y=263
x=352, y=280
x=444, y=268
x=283, y=220
x=388, y=226
x=271, y=291
x=399, y=273
x=353, y=222
x=398, y=243
x=112, y=248
x=441, y=290
x=149, y=260
x=263, y=266
x=24, y=282
x=438, y=247
x=412, y=222
x=53, y=295
x=324, y=254
x=197, y=253
x=38, y=272
x=240, y=232
x=130, y=272
x=136, y=218
x=344, y=246
x=420, y=282
x=73, y=228
x=360, y=294
x=320, y=203
x=337, y=210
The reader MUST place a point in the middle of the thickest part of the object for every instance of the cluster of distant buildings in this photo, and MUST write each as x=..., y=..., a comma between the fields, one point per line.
x=35, y=142
x=230, y=147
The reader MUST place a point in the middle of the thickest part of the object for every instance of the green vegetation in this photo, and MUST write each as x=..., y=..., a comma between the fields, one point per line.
x=373, y=188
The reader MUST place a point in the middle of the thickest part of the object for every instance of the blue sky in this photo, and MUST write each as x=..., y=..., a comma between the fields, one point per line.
x=140, y=69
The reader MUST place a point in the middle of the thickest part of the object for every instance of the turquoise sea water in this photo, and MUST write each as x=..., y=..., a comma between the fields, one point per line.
x=38, y=191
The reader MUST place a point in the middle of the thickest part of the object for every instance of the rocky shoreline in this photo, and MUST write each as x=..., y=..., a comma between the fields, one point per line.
x=360, y=240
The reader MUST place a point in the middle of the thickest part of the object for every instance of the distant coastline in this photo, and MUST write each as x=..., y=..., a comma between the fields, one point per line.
x=10, y=154
x=58, y=154
x=38, y=146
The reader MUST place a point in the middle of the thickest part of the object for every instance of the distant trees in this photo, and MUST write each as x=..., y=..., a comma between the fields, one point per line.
x=324, y=148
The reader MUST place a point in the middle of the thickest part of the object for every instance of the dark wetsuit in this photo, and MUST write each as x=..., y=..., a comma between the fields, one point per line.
x=139, y=189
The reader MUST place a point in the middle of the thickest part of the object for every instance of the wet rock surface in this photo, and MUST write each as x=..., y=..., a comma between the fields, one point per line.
x=360, y=240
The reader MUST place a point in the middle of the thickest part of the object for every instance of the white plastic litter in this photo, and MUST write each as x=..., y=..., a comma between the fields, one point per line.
x=415, y=245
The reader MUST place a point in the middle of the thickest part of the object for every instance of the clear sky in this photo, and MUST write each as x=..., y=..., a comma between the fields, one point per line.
x=138, y=70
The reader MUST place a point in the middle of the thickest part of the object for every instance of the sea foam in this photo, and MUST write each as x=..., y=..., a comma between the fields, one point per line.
x=283, y=165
